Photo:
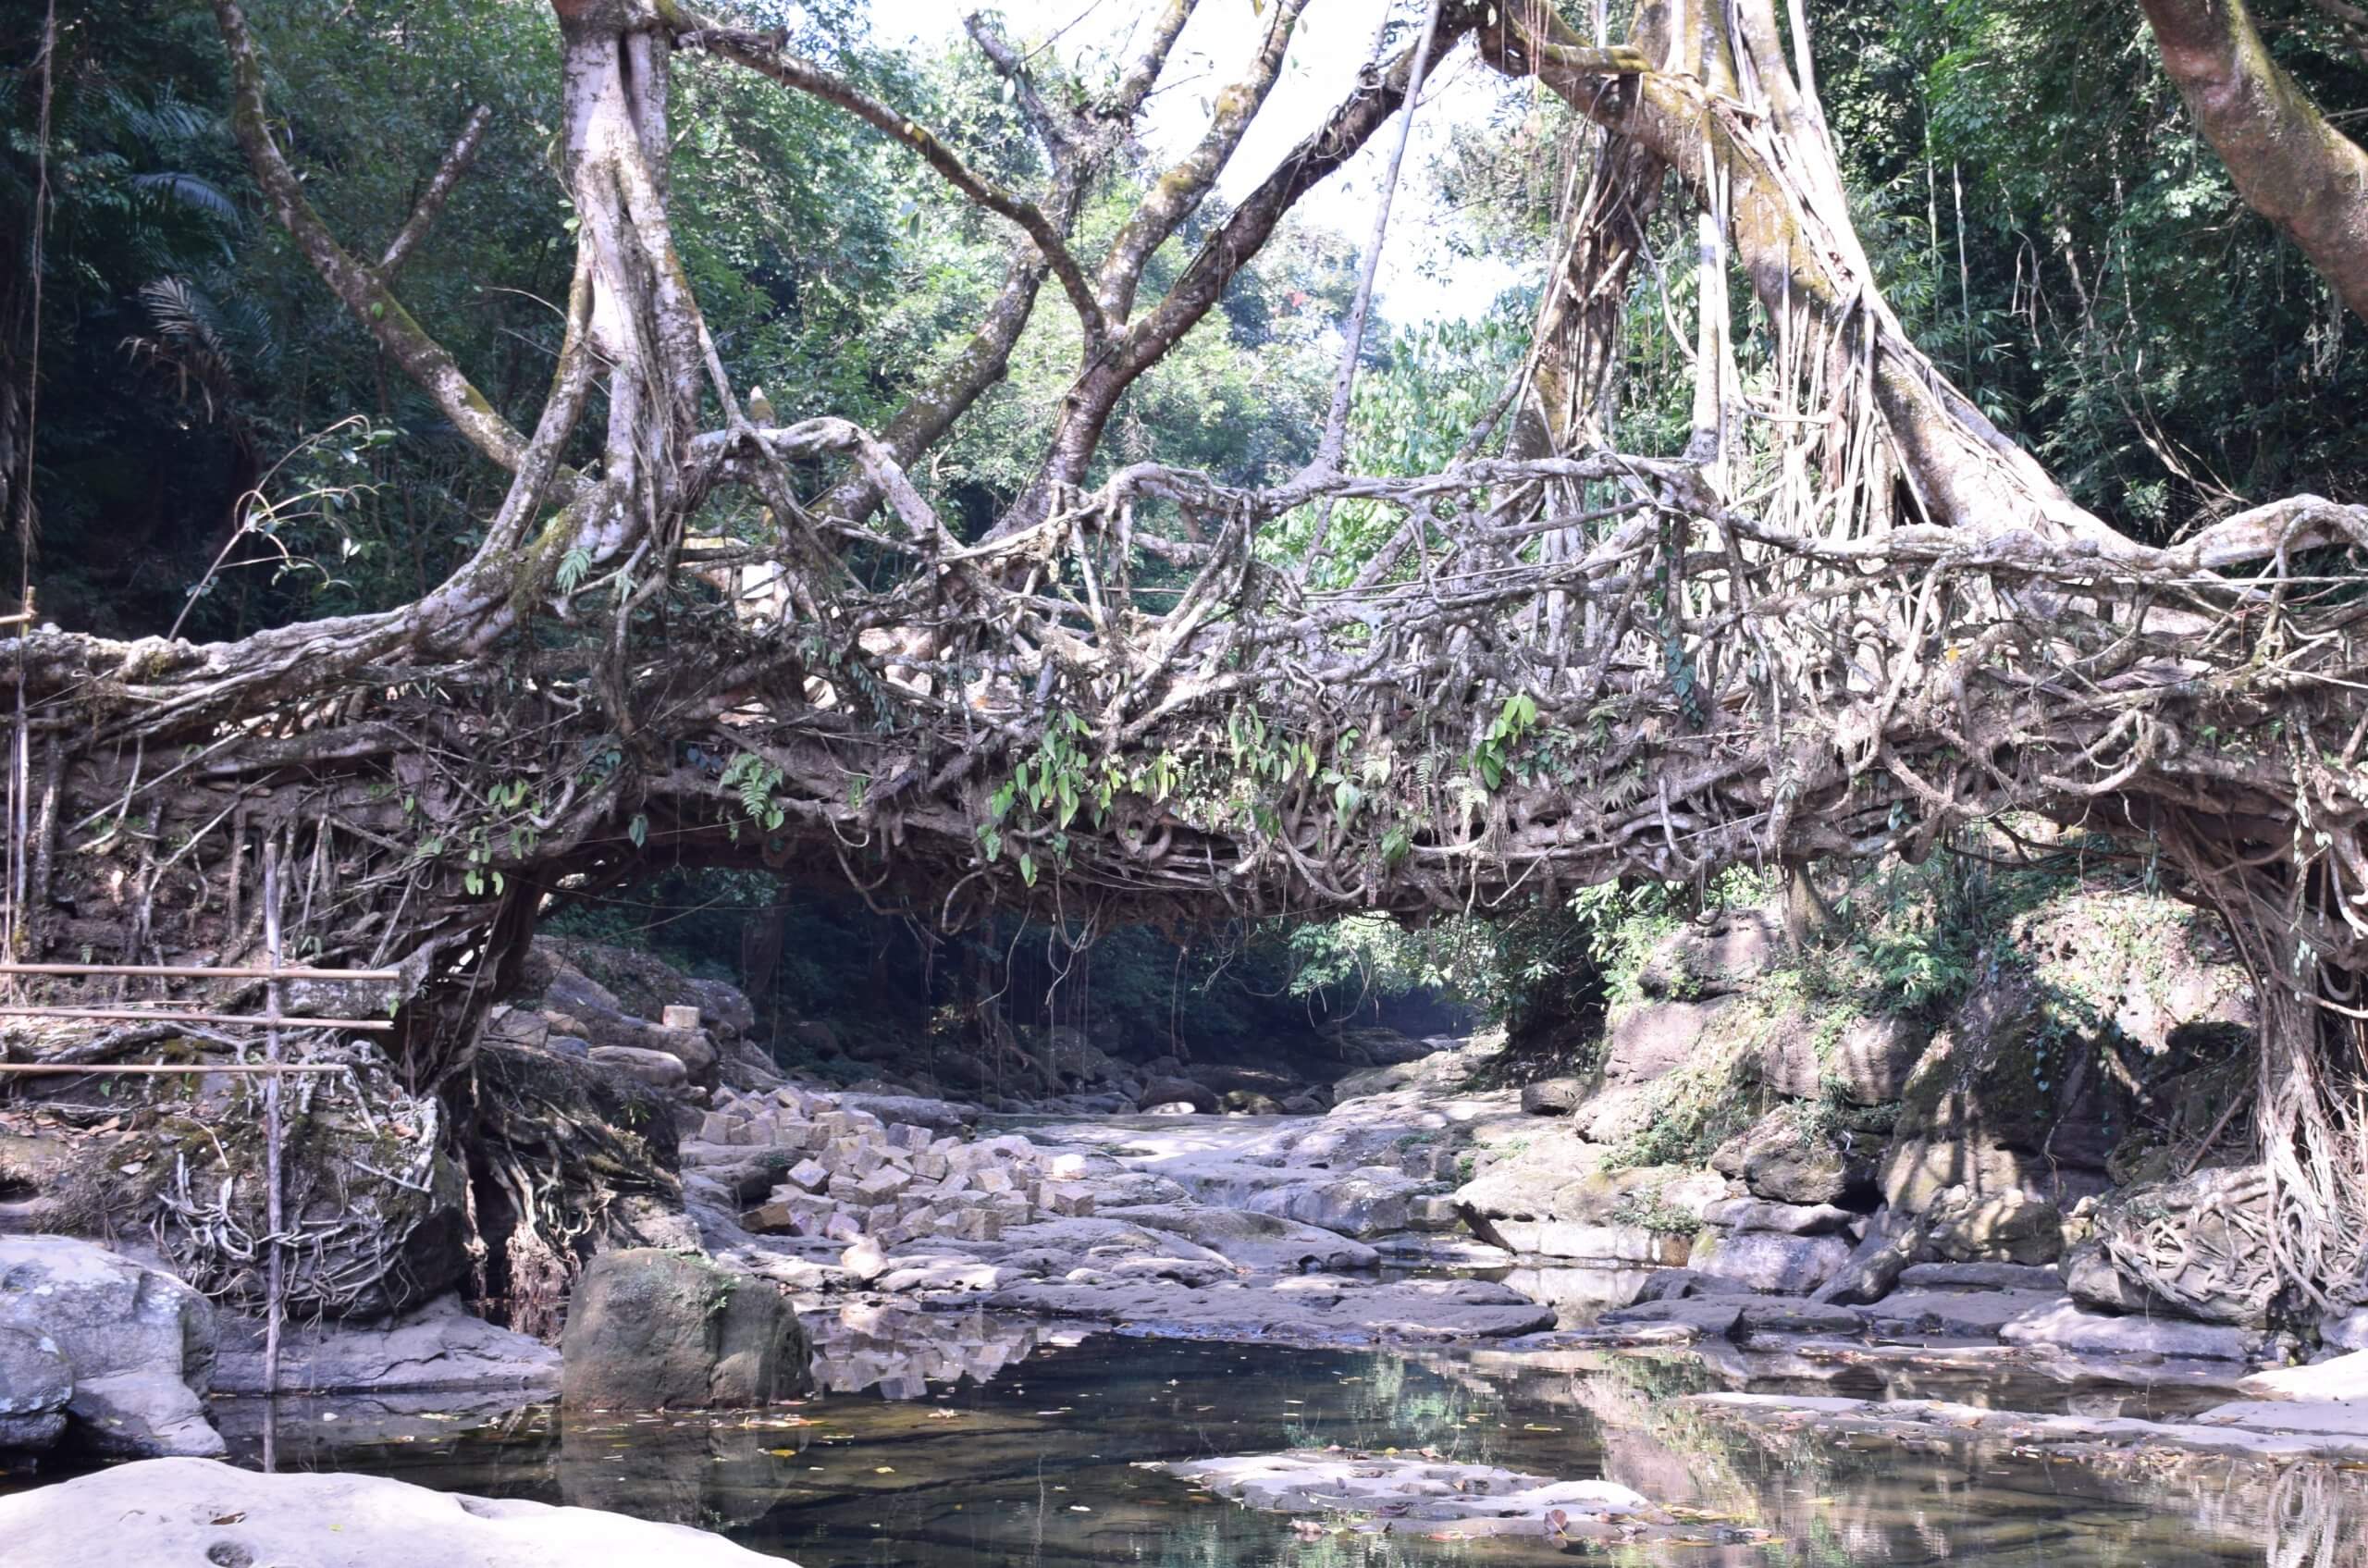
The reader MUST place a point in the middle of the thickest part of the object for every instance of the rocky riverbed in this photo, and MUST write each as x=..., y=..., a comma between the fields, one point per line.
x=1865, y=1251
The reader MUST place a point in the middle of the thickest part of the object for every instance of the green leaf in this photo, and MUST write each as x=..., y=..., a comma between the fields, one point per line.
x=639, y=831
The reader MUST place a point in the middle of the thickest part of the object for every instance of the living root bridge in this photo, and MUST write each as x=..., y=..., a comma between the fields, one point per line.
x=1494, y=683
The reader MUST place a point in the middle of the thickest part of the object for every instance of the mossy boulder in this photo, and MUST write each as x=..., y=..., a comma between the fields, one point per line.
x=649, y=1330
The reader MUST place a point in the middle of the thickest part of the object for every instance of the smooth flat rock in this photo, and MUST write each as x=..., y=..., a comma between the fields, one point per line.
x=1713, y=1317
x=2330, y=1418
x=1590, y=1243
x=201, y=1511
x=1982, y=1277
x=437, y=1346
x=1316, y=1309
x=1373, y=1490
x=1958, y=1315
x=2066, y=1327
x=2343, y=1377
x=1788, y=1219
x=1262, y=1242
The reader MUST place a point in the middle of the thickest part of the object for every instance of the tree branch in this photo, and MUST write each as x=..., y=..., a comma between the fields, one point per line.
x=1057, y=138
x=1179, y=190
x=1220, y=259
x=2293, y=168
x=357, y=286
x=431, y=200
x=761, y=55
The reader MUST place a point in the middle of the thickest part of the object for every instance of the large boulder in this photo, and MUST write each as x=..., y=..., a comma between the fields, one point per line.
x=2006, y=1227
x=1867, y=1058
x=198, y=1511
x=1180, y=1090
x=139, y=1342
x=583, y=1008
x=1651, y=1041
x=1716, y=959
x=35, y=1384
x=1767, y=1260
x=656, y=1330
x=1794, y=1156
x=2181, y=1247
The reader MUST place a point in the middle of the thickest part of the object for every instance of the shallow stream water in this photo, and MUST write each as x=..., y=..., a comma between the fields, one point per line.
x=965, y=1442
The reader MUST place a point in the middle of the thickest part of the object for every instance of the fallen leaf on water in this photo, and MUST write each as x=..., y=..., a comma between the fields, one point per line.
x=1535, y=1426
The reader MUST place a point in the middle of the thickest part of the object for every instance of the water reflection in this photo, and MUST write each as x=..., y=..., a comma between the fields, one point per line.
x=1021, y=1447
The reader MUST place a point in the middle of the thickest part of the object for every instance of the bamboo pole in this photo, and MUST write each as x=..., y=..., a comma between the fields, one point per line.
x=274, y=1278
x=195, y=971
x=71, y=1069
x=176, y=1015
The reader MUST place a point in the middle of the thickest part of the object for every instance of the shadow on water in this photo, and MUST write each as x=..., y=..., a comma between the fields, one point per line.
x=962, y=1441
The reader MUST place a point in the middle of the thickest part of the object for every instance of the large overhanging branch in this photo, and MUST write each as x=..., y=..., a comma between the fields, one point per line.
x=2289, y=162
x=362, y=288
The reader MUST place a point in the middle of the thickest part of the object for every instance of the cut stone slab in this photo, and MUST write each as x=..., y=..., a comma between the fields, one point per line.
x=197, y=1511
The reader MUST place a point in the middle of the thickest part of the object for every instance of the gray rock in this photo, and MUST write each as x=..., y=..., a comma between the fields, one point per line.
x=198, y=1511
x=1713, y=1317
x=1980, y=1277
x=1369, y=1201
x=1788, y=1219
x=2346, y=1330
x=1264, y=1243
x=1672, y=1284
x=945, y=1117
x=577, y=1005
x=1877, y=1263
x=2005, y=1226
x=437, y=1346
x=139, y=1342
x=35, y=1383
x=1765, y=1316
x=659, y=1069
x=1766, y=1260
x=1553, y=1096
x=2066, y=1327
x=1869, y=1060
x=1652, y=1040
x=1956, y=1315
x=142, y=1415
x=1315, y=1309
x=655, y=1331
x=1785, y=1158
x=1180, y=1090
x=1716, y=959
